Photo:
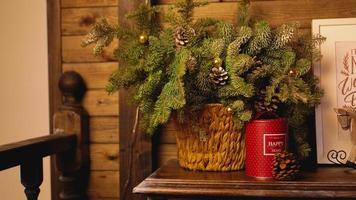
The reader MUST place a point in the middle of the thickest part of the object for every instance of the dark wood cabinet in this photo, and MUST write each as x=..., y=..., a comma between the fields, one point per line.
x=172, y=182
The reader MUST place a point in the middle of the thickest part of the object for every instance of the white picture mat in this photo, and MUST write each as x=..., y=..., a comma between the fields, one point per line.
x=329, y=135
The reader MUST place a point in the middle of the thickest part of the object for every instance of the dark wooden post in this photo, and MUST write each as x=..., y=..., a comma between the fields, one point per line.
x=32, y=177
x=54, y=72
x=135, y=146
x=72, y=118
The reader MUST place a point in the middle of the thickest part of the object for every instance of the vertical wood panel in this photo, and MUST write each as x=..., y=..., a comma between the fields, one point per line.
x=77, y=17
x=278, y=12
x=54, y=72
x=73, y=52
x=166, y=152
x=95, y=75
x=104, y=130
x=102, y=184
x=99, y=103
x=87, y=3
x=104, y=157
x=78, y=21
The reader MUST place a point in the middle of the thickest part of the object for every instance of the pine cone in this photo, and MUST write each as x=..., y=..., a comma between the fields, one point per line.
x=182, y=35
x=261, y=105
x=285, y=166
x=218, y=76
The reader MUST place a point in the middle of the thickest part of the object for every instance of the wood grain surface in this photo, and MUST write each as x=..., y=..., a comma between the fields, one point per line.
x=103, y=184
x=54, y=73
x=88, y=3
x=172, y=180
x=78, y=21
x=277, y=12
x=100, y=103
x=73, y=52
x=104, y=157
x=95, y=75
x=75, y=17
x=14, y=154
x=104, y=130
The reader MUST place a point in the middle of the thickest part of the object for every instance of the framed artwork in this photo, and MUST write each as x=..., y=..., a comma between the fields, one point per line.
x=337, y=73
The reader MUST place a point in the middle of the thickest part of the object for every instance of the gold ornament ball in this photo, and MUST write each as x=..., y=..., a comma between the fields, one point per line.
x=143, y=38
x=292, y=72
x=217, y=61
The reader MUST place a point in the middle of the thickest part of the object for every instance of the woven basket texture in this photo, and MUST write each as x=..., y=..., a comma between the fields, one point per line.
x=217, y=145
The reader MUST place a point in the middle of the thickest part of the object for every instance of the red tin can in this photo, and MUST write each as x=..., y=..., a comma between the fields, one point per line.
x=264, y=138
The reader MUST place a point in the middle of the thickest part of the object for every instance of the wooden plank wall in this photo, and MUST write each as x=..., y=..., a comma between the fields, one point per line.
x=76, y=18
x=276, y=12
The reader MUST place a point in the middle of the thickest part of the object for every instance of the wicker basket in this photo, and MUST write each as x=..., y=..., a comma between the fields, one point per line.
x=217, y=146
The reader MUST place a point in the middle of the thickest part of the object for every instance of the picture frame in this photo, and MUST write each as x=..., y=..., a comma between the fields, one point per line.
x=337, y=73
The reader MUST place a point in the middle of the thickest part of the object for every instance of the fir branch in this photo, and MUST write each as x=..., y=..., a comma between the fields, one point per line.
x=284, y=35
x=243, y=17
x=245, y=116
x=204, y=28
x=308, y=46
x=205, y=51
x=132, y=54
x=317, y=93
x=237, y=105
x=203, y=84
x=217, y=47
x=261, y=38
x=204, y=25
x=225, y=31
x=284, y=93
x=313, y=46
x=300, y=91
x=302, y=67
x=101, y=34
x=125, y=78
x=272, y=88
x=145, y=18
x=243, y=35
x=237, y=87
x=259, y=72
x=185, y=9
x=147, y=89
x=297, y=120
x=160, y=50
x=243, y=63
x=172, y=96
x=287, y=60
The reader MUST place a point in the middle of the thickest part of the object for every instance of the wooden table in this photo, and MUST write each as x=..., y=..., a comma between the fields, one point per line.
x=171, y=181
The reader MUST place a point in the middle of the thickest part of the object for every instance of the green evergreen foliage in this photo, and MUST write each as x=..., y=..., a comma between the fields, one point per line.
x=243, y=17
x=284, y=35
x=272, y=64
x=102, y=34
x=261, y=38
